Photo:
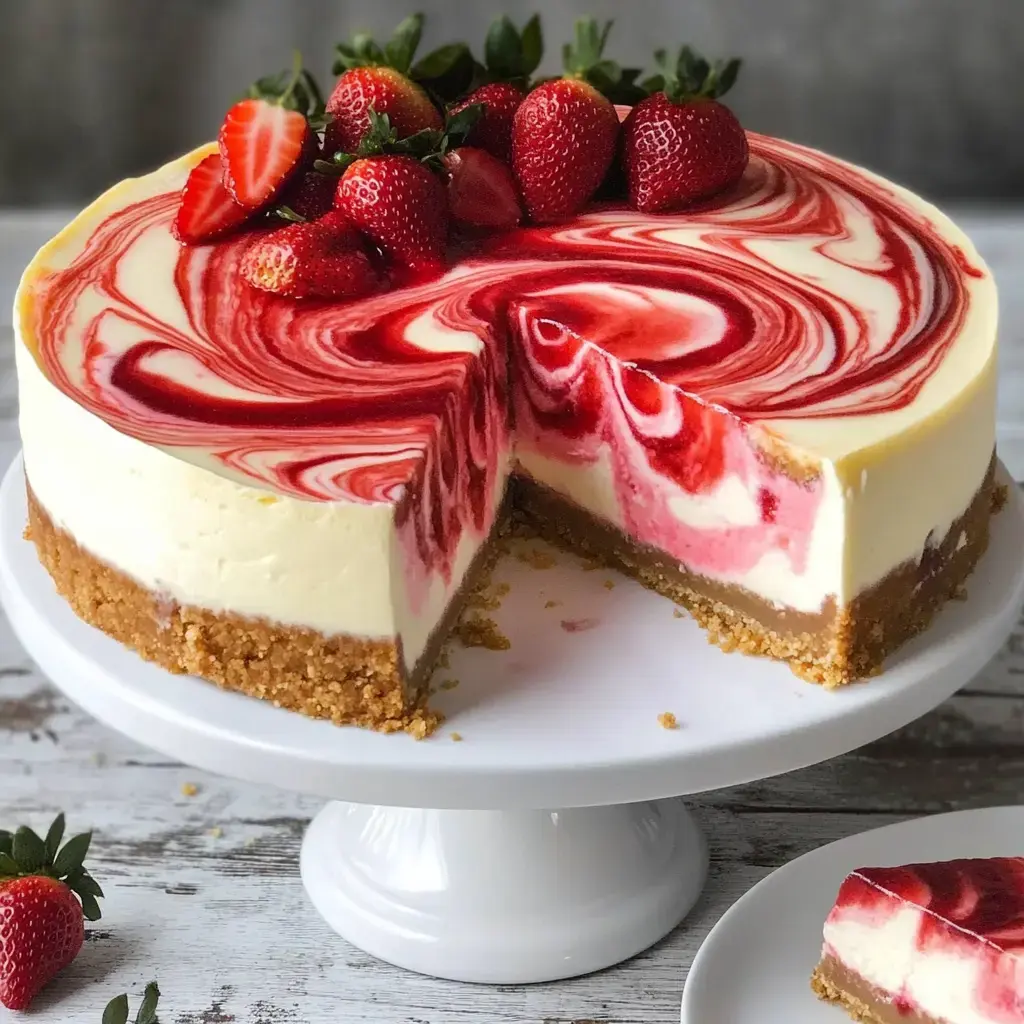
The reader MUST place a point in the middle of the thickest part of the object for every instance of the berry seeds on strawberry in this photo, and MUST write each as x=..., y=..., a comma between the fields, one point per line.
x=45, y=896
x=267, y=136
x=510, y=59
x=321, y=259
x=378, y=78
x=680, y=144
x=206, y=210
x=564, y=133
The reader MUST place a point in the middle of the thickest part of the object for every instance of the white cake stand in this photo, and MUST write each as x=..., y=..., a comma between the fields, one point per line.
x=549, y=842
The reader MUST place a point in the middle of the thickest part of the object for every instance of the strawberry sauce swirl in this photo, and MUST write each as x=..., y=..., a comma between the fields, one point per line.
x=810, y=290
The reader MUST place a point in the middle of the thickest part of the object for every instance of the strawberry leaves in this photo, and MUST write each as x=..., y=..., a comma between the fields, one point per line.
x=294, y=89
x=117, y=1009
x=428, y=146
x=24, y=854
x=445, y=72
x=511, y=55
x=691, y=77
x=584, y=59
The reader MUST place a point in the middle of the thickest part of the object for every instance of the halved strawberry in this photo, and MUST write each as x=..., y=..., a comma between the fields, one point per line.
x=207, y=210
x=481, y=189
x=324, y=259
x=261, y=144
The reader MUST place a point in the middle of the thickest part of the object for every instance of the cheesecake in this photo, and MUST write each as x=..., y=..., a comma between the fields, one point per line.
x=775, y=406
x=928, y=944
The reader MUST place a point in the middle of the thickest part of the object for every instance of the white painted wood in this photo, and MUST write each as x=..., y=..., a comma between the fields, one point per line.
x=204, y=892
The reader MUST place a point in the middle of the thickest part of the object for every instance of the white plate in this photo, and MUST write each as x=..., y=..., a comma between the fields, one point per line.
x=565, y=718
x=755, y=966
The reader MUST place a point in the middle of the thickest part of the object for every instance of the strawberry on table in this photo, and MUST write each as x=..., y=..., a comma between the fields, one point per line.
x=325, y=259
x=45, y=896
x=377, y=77
x=680, y=144
x=267, y=136
x=207, y=210
x=482, y=191
x=564, y=133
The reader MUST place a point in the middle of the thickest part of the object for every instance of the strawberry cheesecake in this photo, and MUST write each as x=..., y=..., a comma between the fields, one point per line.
x=279, y=457
x=928, y=944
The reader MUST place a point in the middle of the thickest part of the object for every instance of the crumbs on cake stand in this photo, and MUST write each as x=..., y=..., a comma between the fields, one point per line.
x=579, y=625
x=667, y=720
x=481, y=631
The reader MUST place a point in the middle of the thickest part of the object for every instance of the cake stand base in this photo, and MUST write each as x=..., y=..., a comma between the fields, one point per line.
x=504, y=897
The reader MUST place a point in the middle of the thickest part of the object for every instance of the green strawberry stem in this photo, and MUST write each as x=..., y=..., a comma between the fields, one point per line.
x=584, y=59
x=24, y=854
x=294, y=89
x=445, y=72
x=117, y=1009
x=428, y=146
x=511, y=55
x=691, y=77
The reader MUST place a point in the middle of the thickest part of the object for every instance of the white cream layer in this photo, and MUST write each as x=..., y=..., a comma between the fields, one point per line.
x=941, y=983
x=201, y=539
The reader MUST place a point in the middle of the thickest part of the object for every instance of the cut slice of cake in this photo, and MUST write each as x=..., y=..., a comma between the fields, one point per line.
x=938, y=943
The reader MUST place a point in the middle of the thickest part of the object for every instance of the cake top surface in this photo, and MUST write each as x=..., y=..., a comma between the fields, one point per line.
x=979, y=897
x=813, y=299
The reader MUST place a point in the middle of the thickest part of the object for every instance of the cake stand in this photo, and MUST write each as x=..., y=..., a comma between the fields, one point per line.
x=550, y=841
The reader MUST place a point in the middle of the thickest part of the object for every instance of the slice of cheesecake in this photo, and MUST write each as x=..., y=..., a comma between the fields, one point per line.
x=936, y=943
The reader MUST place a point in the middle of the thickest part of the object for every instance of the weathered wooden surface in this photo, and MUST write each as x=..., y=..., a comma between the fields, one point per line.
x=204, y=893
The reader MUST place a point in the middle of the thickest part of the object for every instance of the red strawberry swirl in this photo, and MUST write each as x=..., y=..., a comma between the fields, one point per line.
x=754, y=302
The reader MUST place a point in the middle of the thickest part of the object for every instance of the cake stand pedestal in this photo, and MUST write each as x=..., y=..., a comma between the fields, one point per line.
x=550, y=841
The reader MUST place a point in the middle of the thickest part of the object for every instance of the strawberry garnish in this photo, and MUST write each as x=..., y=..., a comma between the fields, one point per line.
x=482, y=190
x=399, y=203
x=265, y=137
x=493, y=131
x=45, y=893
x=325, y=259
x=381, y=78
x=207, y=210
x=308, y=196
x=564, y=133
x=117, y=1009
x=681, y=145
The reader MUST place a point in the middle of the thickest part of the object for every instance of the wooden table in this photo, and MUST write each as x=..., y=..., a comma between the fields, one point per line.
x=203, y=891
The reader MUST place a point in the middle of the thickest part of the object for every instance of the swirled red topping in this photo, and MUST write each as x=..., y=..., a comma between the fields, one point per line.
x=810, y=290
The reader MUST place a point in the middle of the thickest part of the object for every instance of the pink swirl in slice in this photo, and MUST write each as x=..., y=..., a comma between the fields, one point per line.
x=970, y=912
x=809, y=291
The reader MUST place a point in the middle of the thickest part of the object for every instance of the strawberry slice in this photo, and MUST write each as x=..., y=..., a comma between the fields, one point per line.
x=261, y=144
x=481, y=189
x=207, y=210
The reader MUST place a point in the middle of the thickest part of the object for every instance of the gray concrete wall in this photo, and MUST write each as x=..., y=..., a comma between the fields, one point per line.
x=930, y=92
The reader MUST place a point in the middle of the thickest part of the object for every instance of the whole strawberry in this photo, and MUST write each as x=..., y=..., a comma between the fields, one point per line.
x=564, y=133
x=493, y=131
x=680, y=144
x=377, y=77
x=45, y=895
x=308, y=196
x=400, y=205
x=324, y=259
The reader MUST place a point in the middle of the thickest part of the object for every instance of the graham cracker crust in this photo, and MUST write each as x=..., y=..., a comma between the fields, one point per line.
x=831, y=647
x=835, y=983
x=356, y=681
x=347, y=680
